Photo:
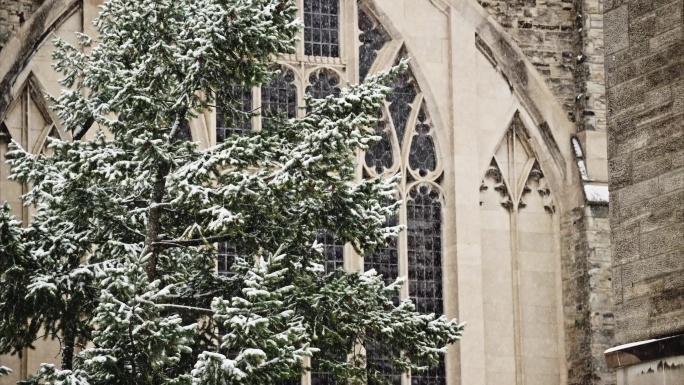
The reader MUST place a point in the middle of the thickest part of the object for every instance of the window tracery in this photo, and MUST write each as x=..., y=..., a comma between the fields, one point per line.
x=373, y=37
x=322, y=83
x=322, y=28
x=400, y=103
x=422, y=156
x=380, y=156
x=407, y=146
x=514, y=172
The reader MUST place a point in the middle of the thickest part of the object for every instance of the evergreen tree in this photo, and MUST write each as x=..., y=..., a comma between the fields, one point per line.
x=120, y=259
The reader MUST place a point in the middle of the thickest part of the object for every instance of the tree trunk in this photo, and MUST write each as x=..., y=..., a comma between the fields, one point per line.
x=68, y=343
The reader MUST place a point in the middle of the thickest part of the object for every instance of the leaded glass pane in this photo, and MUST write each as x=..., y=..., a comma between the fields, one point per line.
x=373, y=37
x=233, y=112
x=377, y=362
x=323, y=83
x=424, y=231
x=334, y=260
x=319, y=374
x=422, y=156
x=401, y=98
x=279, y=96
x=321, y=28
x=385, y=260
x=332, y=251
x=379, y=156
x=433, y=376
x=227, y=253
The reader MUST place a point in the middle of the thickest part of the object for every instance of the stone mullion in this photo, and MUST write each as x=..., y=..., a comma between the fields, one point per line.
x=515, y=260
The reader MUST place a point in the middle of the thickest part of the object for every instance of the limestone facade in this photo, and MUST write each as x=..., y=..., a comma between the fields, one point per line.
x=644, y=54
x=519, y=155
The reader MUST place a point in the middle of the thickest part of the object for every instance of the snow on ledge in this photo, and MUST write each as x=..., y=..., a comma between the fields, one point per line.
x=627, y=346
x=596, y=193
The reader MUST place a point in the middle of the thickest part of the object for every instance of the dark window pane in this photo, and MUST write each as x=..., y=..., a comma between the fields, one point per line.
x=323, y=83
x=379, y=156
x=233, y=108
x=373, y=37
x=424, y=232
x=279, y=96
x=321, y=17
x=378, y=365
x=332, y=251
x=227, y=253
x=385, y=260
x=401, y=98
x=422, y=156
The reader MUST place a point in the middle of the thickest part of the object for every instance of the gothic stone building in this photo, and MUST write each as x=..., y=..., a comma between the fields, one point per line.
x=499, y=129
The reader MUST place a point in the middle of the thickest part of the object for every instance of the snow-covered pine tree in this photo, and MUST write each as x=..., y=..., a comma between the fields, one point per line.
x=119, y=262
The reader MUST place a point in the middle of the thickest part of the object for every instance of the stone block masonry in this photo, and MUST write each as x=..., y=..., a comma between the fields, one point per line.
x=644, y=42
x=13, y=13
x=564, y=41
x=546, y=32
x=587, y=295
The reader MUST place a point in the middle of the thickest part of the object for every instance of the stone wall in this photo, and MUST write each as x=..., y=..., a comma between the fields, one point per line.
x=587, y=297
x=546, y=32
x=645, y=96
x=564, y=39
x=13, y=13
x=590, y=72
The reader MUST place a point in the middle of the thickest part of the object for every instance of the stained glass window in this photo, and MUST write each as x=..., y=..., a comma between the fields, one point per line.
x=234, y=105
x=379, y=156
x=424, y=230
x=323, y=83
x=322, y=28
x=422, y=154
x=279, y=96
x=373, y=37
x=401, y=98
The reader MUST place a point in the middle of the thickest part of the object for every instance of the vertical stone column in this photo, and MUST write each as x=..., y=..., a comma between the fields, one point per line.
x=467, y=240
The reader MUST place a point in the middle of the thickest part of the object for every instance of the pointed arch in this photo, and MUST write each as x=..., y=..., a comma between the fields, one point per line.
x=514, y=166
x=22, y=46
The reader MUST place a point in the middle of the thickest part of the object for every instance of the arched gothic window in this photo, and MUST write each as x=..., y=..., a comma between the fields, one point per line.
x=322, y=28
x=407, y=146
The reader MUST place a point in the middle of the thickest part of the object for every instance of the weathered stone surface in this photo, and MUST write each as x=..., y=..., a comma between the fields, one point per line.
x=547, y=34
x=587, y=295
x=645, y=96
x=13, y=13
